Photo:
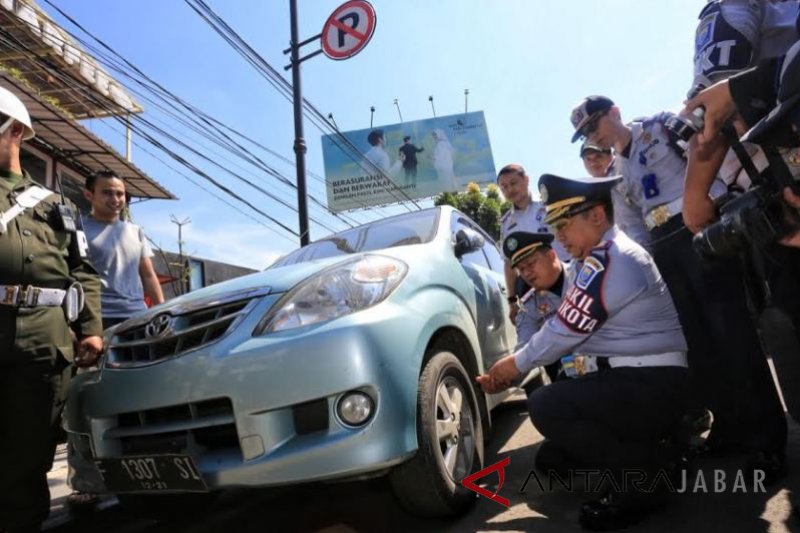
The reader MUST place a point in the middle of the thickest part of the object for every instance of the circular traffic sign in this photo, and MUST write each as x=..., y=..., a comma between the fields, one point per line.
x=348, y=30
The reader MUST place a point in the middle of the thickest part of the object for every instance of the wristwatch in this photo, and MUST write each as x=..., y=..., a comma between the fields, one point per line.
x=512, y=299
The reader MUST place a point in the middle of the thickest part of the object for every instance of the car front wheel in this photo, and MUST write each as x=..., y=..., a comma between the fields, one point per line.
x=450, y=439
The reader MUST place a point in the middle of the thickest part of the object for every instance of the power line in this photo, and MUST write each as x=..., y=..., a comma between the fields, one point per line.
x=191, y=122
x=284, y=88
x=91, y=96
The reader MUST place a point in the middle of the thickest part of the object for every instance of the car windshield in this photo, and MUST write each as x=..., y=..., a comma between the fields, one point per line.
x=410, y=228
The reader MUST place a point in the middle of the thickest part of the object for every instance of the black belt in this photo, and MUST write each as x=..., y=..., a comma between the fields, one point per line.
x=667, y=228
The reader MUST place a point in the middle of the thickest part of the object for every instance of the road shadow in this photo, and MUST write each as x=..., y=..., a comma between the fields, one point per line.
x=369, y=506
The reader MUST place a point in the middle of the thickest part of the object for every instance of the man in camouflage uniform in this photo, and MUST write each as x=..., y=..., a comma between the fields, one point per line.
x=41, y=274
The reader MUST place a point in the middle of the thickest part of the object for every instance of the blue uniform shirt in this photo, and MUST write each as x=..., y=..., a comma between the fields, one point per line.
x=652, y=170
x=615, y=304
x=627, y=214
x=536, y=307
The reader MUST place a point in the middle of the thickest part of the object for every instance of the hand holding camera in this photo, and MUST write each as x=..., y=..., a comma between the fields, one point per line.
x=718, y=108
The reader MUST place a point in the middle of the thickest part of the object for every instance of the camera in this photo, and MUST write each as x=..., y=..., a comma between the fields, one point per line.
x=759, y=216
x=684, y=127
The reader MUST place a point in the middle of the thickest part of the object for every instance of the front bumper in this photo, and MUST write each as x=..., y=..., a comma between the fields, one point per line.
x=259, y=411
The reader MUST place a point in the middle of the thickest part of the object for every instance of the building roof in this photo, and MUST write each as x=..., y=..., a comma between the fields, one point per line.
x=70, y=142
x=37, y=46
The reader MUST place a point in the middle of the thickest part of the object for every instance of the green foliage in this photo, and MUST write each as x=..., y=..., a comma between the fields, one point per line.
x=485, y=208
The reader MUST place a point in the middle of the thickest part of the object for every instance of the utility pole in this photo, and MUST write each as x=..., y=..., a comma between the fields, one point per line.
x=398, y=110
x=347, y=19
x=180, y=223
x=430, y=99
x=466, y=95
x=299, y=141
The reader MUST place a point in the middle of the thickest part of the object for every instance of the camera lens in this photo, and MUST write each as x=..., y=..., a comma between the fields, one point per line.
x=723, y=238
x=685, y=127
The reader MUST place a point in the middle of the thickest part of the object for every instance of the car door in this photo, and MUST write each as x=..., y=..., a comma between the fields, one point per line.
x=494, y=334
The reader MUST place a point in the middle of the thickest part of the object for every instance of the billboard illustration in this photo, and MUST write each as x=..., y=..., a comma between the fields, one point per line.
x=409, y=160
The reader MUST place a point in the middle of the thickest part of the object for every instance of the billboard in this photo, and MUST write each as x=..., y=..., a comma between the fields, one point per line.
x=409, y=160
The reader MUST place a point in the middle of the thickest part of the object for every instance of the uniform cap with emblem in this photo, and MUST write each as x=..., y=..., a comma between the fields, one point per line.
x=566, y=197
x=13, y=108
x=776, y=128
x=521, y=244
x=586, y=111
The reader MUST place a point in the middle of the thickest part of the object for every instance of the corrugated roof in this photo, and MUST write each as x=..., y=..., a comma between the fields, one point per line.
x=40, y=45
x=68, y=140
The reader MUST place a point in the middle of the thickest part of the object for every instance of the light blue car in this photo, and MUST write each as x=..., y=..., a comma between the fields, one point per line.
x=352, y=357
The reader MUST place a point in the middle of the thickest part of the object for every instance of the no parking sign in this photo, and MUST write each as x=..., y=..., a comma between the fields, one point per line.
x=348, y=30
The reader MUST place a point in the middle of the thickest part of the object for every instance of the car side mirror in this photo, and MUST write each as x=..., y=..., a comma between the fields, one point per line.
x=467, y=240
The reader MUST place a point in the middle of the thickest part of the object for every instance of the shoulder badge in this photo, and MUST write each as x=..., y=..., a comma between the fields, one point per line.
x=590, y=269
x=582, y=310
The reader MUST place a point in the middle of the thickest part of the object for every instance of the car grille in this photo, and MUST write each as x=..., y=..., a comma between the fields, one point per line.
x=136, y=346
x=194, y=427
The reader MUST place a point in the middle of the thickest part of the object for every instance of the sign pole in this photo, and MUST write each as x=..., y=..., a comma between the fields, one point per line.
x=299, y=141
x=346, y=32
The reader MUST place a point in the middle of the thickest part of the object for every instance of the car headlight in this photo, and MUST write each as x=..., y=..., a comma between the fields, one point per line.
x=343, y=289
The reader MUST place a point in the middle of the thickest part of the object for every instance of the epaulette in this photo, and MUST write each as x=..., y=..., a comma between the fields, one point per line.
x=528, y=295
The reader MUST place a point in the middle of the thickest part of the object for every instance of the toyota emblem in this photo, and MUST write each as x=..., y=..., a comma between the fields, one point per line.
x=158, y=327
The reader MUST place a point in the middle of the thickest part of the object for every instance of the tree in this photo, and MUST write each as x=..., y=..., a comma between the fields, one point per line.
x=485, y=208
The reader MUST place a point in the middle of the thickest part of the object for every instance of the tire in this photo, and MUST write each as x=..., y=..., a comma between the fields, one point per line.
x=167, y=507
x=450, y=444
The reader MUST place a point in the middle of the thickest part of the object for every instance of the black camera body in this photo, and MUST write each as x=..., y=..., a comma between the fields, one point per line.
x=759, y=216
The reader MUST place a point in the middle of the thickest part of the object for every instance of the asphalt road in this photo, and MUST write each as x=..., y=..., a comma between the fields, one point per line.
x=369, y=506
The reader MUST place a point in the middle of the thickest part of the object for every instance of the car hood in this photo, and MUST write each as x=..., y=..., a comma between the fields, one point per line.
x=271, y=281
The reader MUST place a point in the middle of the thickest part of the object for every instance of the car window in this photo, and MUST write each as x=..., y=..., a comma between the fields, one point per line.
x=496, y=260
x=409, y=228
x=476, y=257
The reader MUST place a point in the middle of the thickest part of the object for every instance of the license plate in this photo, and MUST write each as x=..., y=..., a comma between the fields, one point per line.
x=154, y=473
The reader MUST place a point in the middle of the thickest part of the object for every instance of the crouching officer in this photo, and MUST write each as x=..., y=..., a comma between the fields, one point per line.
x=47, y=292
x=617, y=310
x=532, y=256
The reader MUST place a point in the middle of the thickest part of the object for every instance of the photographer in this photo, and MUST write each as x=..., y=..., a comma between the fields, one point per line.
x=732, y=35
x=752, y=98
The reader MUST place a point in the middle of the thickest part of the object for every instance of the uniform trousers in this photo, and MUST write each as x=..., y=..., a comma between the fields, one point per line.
x=613, y=419
x=30, y=408
x=728, y=371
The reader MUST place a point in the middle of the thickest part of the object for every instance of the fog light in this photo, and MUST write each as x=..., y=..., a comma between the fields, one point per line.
x=252, y=447
x=355, y=408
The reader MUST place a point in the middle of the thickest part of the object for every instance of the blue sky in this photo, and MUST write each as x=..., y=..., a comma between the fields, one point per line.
x=525, y=63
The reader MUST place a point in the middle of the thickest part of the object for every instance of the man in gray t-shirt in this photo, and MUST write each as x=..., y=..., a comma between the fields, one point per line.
x=119, y=251
x=121, y=255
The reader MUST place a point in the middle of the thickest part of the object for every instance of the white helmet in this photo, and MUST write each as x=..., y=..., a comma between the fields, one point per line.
x=12, y=106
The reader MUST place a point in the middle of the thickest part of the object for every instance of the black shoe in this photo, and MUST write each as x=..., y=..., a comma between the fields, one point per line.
x=610, y=513
x=716, y=445
x=772, y=464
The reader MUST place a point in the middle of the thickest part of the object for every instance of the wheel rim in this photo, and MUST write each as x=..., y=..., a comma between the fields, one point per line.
x=455, y=430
